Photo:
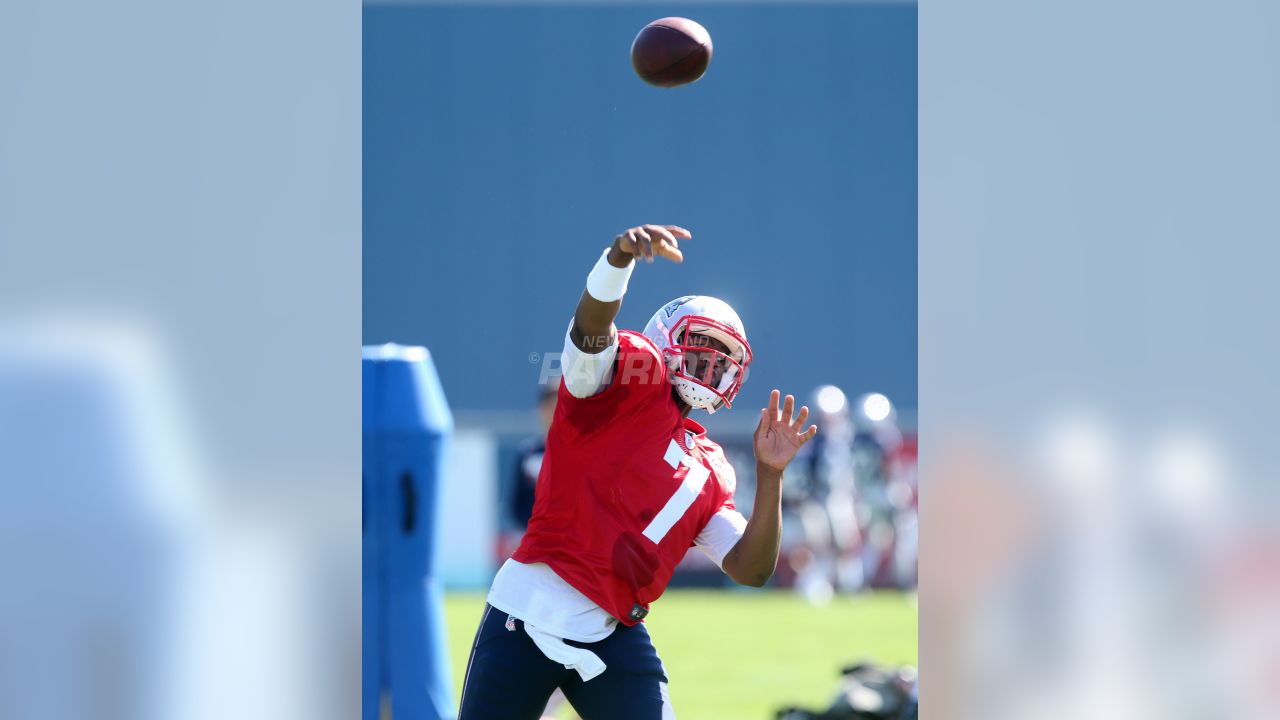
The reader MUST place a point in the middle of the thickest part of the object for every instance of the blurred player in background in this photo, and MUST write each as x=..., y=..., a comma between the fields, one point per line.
x=822, y=537
x=851, y=510
x=886, y=472
x=628, y=484
x=520, y=494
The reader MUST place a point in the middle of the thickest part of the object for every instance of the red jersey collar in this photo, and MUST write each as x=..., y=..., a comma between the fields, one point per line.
x=697, y=429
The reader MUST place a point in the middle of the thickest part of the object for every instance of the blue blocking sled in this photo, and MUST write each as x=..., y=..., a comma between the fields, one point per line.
x=406, y=425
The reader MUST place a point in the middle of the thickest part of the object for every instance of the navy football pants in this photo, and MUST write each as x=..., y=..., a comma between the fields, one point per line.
x=508, y=677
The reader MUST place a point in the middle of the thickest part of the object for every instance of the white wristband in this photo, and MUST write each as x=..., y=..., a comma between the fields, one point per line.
x=607, y=283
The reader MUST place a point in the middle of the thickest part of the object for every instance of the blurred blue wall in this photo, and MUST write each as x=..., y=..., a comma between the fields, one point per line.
x=505, y=146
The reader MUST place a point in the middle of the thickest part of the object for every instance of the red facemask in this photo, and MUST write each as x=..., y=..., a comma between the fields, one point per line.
x=701, y=364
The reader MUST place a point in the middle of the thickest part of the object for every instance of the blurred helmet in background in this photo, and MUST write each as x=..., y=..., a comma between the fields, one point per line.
x=875, y=416
x=872, y=411
x=829, y=405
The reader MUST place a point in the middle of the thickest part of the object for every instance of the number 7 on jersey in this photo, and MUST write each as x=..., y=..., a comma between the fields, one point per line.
x=684, y=496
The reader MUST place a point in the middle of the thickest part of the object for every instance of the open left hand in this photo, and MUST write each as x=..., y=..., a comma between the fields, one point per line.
x=779, y=436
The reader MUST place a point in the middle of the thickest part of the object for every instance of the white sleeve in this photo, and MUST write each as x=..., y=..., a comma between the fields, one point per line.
x=585, y=373
x=720, y=535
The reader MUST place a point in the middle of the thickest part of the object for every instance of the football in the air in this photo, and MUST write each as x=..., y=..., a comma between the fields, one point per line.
x=671, y=51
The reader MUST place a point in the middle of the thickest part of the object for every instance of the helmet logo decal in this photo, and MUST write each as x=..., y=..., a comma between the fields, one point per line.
x=674, y=305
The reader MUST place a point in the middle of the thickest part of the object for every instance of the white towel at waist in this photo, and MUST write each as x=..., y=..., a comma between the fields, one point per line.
x=587, y=663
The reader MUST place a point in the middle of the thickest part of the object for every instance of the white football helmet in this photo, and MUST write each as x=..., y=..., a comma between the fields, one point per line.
x=671, y=329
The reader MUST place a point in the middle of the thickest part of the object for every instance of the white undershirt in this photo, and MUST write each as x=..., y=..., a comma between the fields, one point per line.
x=535, y=594
x=584, y=372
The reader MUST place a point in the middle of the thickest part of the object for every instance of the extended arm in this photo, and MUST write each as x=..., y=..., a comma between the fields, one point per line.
x=753, y=559
x=592, y=330
x=778, y=437
x=591, y=344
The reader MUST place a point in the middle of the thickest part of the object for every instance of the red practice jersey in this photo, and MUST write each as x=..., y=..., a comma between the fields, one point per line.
x=622, y=493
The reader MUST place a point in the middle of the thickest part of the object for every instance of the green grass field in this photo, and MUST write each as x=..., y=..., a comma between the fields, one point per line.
x=739, y=655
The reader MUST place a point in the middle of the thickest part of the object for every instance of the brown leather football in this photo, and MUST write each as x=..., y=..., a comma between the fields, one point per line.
x=671, y=51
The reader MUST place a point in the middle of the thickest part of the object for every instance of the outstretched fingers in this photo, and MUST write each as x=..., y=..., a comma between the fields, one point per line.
x=804, y=415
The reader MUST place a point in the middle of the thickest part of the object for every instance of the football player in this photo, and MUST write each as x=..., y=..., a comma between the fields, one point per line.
x=628, y=484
